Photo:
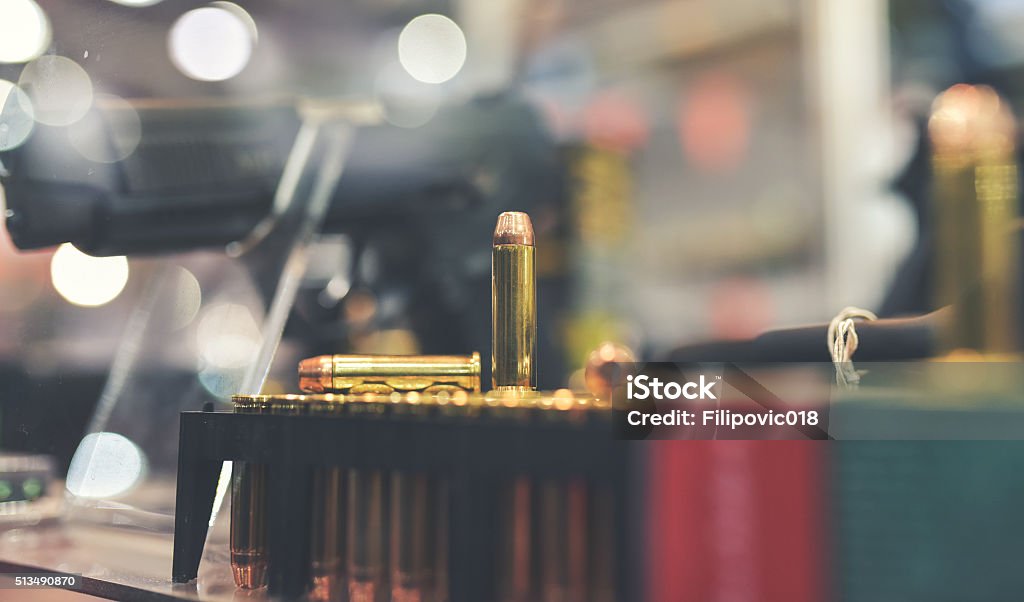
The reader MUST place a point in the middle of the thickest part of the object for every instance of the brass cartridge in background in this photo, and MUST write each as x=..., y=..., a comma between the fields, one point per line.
x=248, y=509
x=975, y=209
x=383, y=374
x=513, y=303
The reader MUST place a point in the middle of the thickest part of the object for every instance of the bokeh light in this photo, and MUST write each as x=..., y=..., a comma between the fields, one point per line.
x=432, y=48
x=86, y=280
x=188, y=297
x=212, y=43
x=105, y=465
x=406, y=102
x=17, y=118
x=110, y=136
x=60, y=90
x=24, y=31
x=136, y=2
x=228, y=335
x=222, y=382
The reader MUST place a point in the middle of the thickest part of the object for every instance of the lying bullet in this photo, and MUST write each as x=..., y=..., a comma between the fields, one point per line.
x=384, y=374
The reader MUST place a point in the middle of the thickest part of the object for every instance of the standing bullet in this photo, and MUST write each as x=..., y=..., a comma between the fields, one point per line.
x=976, y=268
x=248, y=509
x=513, y=303
x=327, y=553
x=367, y=529
x=514, y=369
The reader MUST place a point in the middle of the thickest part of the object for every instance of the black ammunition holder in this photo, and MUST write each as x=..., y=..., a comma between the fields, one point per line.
x=472, y=453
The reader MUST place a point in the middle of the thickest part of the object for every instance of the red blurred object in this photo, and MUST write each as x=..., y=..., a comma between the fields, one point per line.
x=615, y=121
x=714, y=123
x=736, y=521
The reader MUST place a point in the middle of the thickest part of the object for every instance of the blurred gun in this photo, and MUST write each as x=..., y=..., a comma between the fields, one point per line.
x=422, y=201
x=206, y=175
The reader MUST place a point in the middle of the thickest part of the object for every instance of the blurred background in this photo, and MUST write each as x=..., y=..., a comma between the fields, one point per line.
x=695, y=171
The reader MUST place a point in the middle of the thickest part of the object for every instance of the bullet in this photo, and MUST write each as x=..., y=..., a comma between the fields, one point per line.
x=366, y=524
x=563, y=513
x=366, y=536
x=413, y=561
x=976, y=268
x=383, y=374
x=577, y=543
x=249, y=520
x=515, y=552
x=442, y=544
x=248, y=539
x=248, y=509
x=409, y=497
x=513, y=303
x=554, y=552
x=601, y=580
x=419, y=513
x=327, y=553
x=516, y=578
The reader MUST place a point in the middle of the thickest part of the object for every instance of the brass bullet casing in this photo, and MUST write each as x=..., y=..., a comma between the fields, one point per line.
x=545, y=550
x=601, y=577
x=327, y=555
x=513, y=303
x=248, y=509
x=366, y=517
x=516, y=546
x=418, y=522
x=516, y=579
x=249, y=520
x=366, y=536
x=383, y=374
x=976, y=268
x=514, y=570
x=564, y=508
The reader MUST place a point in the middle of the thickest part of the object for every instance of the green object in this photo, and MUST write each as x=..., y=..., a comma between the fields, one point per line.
x=32, y=488
x=5, y=490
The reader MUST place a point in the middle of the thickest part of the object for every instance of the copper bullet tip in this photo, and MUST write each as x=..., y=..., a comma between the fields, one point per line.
x=514, y=228
x=316, y=374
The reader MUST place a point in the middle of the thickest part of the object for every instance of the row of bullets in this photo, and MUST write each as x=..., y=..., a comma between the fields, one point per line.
x=383, y=535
